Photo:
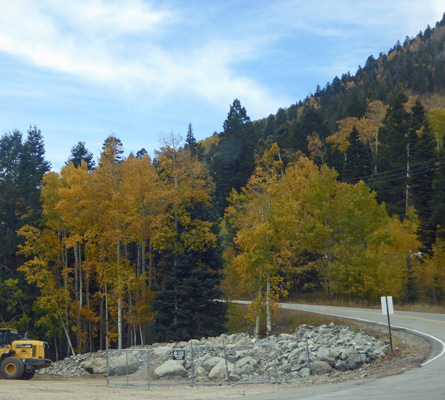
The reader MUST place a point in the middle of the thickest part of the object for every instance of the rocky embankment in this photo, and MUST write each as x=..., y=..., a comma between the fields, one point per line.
x=309, y=351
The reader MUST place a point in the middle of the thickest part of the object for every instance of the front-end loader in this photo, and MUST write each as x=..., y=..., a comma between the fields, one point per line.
x=21, y=357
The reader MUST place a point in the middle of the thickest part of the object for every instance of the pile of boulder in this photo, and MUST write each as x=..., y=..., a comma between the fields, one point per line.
x=236, y=358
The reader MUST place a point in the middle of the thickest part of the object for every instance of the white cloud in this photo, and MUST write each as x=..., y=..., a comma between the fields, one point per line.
x=142, y=47
x=120, y=43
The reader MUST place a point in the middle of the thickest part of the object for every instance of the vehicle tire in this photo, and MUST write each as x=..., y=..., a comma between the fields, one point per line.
x=12, y=368
x=27, y=375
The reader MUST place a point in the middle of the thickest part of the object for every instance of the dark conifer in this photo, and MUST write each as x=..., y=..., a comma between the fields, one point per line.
x=233, y=161
x=358, y=162
x=80, y=153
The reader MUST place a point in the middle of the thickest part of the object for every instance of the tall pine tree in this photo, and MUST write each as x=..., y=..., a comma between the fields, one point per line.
x=392, y=159
x=233, y=162
x=422, y=173
x=358, y=159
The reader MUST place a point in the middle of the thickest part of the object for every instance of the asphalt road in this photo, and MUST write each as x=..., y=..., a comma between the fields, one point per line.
x=425, y=383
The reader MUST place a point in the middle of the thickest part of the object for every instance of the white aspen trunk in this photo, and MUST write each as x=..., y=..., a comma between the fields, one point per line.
x=268, y=313
x=77, y=293
x=119, y=323
x=131, y=328
x=119, y=303
x=142, y=335
x=106, y=317
x=257, y=318
x=257, y=325
x=67, y=336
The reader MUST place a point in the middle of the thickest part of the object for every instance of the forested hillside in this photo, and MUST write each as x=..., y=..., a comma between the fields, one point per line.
x=342, y=193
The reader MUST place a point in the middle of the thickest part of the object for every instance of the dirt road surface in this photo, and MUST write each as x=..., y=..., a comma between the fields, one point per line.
x=94, y=388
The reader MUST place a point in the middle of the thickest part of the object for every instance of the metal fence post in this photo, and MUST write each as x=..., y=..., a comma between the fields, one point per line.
x=308, y=357
x=192, y=361
x=108, y=368
x=225, y=359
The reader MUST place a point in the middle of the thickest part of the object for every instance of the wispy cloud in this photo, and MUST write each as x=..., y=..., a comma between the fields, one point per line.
x=124, y=44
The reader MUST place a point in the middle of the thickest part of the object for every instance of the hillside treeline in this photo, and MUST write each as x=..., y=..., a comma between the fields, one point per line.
x=342, y=193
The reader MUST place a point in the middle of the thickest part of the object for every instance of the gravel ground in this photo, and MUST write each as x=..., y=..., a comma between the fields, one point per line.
x=410, y=351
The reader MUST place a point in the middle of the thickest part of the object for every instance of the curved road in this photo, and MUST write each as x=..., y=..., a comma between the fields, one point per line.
x=425, y=383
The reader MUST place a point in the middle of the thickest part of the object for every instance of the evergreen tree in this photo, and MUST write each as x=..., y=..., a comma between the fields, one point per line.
x=355, y=108
x=185, y=300
x=11, y=197
x=420, y=182
x=22, y=166
x=192, y=144
x=141, y=153
x=190, y=140
x=80, y=153
x=390, y=181
x=234, y=159
x=358, y=160
x=112, y=150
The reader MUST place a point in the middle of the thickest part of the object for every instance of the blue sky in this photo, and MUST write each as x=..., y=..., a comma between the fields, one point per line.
x=140, y=69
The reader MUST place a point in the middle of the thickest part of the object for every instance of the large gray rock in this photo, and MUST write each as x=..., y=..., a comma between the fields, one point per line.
x=323, y=354
x=170, y=368
x=210, y=363
x=355, y=361
x=219, y=371
x=123, y=364
x=320, y=367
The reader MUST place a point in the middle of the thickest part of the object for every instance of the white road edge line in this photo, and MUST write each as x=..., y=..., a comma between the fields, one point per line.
x=381, y=323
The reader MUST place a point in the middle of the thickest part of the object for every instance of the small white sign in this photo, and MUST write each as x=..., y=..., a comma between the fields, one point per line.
x=387, y=300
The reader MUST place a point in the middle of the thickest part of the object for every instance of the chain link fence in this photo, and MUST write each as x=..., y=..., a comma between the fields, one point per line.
x=192, y=366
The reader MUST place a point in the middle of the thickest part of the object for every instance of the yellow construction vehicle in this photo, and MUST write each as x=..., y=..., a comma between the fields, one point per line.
x=21, y=357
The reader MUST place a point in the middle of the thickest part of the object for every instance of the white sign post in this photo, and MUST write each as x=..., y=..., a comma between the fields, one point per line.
x=387, y=308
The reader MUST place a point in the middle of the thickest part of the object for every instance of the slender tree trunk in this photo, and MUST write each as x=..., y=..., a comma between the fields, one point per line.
x=67, y=336
x=106, y=318
x=268, y=306
x=119, y=303
x=141, y=334
x=77, y=296
x=258, y=313
x=101, y=323
x=150, y=264
x=55, y=347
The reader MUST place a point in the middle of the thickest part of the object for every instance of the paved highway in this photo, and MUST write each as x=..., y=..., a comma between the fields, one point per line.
x=426, y=382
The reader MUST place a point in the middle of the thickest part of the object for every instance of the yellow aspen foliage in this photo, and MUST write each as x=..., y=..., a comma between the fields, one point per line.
x=316, y=147
x=256, y=260
x=185, y=183
x=437, y=121
x=431, y=272
x=341, y=138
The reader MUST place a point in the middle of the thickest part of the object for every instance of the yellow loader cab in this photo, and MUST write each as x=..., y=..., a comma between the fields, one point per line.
x=21, y=357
